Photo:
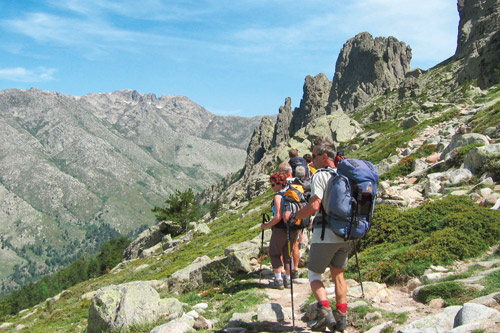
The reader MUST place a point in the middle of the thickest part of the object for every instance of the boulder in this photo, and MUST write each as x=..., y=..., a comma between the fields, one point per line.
x=479, y=156
x=271, y=312
x=190, y=276
x=460, y=140
x=146, y=239
x=183, y=324
x=474, y=316
x=377, y=292
x=458, y=176
x=117, y=307
x=441, y=322
x=434, y=182
x=338, y=127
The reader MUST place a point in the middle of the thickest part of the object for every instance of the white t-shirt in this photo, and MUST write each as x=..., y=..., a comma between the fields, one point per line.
x=320, y=188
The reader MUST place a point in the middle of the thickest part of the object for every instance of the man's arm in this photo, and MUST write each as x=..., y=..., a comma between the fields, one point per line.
x=309, y=210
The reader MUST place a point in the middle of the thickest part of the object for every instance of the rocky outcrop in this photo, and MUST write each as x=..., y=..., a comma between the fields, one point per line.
x=236, y=259
x=479, y=157
x=479, y=41
x=314, y=101
x=282, y=128
x=260, y=142
x=337, y=127
x=460, y=140
x=368, y=67
x=146, y=239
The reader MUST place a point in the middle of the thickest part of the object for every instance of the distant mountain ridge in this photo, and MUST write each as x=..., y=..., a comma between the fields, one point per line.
x=75, y=170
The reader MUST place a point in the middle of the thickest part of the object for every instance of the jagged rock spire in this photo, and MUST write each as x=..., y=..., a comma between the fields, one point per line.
x=313, y=103
x=281, y=131
x=367, y=67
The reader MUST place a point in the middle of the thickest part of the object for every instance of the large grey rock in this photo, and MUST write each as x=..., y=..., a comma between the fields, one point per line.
x=438, y=323
x=472, y=312
x=479, y=41
x=271, y=312
x=118, y=306
x=434, y=182
x=377, y=292
x=190, y=276
x=338, y=127
x=183, y=324
x=367, y=67
x=479, y=156
x=146, y=239
x=459, y=176
x=460, y=140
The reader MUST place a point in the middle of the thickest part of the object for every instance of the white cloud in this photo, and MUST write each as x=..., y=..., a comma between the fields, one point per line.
x=21, y=74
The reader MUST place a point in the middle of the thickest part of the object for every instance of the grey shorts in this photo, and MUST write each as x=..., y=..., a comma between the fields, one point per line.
x=323, y=255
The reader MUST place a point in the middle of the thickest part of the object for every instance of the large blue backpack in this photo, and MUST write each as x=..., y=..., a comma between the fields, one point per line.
x=352, y=198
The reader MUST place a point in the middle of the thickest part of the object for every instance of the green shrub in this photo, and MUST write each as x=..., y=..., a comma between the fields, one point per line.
x=403, y=168
x=402, y=244
x=453, y=293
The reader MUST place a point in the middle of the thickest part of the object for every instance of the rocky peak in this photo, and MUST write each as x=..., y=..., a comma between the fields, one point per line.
x=367, y=67
x=260, y=142
x=314, y=101
x=282, y=128
x=479, y=40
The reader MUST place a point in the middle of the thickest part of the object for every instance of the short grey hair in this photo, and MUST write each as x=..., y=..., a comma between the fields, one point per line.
x=300, y=171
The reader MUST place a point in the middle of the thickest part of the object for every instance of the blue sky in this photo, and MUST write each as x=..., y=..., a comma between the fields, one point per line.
x=238, y=57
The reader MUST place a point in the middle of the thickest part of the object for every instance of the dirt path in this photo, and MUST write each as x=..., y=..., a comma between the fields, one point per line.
x=400, y=302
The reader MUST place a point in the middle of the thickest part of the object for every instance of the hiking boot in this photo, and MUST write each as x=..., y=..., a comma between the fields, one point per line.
x=325, y=319
x=277, y=284
x=295, y=274
x=341, y=319
x=286, y=283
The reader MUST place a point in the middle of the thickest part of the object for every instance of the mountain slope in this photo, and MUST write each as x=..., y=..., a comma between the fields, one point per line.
x=75, y=171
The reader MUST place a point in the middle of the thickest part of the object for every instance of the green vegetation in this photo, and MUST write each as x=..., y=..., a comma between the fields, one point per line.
x=453, y=293
x=402, y=244
x=50, y=285
x=180, y=208
x=393, y=137
x=458, y=158
x=358, y=314
x=407, y=164
x=488, y=117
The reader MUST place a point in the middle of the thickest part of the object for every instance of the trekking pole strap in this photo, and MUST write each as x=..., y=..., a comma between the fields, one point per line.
x=323, y=222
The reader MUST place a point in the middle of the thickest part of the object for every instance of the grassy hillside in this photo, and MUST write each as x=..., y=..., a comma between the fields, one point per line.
x=401, y=245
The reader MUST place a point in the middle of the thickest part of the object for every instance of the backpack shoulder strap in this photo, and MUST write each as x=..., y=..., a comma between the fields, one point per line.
x=323, y=213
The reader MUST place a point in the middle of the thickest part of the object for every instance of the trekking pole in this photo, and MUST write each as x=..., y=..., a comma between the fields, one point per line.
x=265, y=220
x=290, y=246
x=359, y=271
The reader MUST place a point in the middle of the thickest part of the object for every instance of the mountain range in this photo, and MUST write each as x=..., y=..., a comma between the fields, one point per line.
x=75, y=171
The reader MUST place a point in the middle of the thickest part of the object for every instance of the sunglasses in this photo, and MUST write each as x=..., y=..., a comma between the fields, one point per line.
x=275, y=184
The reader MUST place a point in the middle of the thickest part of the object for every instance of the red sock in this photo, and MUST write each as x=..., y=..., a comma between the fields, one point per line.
x=341, y=307
x=326, y=304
